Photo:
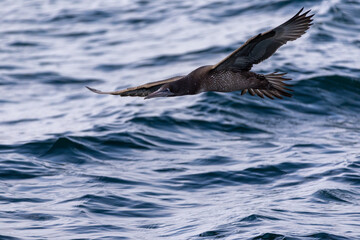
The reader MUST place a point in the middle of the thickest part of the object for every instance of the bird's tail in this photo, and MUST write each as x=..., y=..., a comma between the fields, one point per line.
x=279, y=88
x=276, y=89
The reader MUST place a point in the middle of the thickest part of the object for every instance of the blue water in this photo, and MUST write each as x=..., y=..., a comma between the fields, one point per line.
x=76, y=165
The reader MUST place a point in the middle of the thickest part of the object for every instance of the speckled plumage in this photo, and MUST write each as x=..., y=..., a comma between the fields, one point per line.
x=228, y=81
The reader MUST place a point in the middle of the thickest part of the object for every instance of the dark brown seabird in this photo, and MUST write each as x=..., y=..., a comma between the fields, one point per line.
x=232, y=73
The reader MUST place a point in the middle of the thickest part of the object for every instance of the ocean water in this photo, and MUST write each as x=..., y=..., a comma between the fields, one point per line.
x=76, y=165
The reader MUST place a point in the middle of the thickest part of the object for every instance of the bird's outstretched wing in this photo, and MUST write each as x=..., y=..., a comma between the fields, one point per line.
x=262, y=46
x=139, y=91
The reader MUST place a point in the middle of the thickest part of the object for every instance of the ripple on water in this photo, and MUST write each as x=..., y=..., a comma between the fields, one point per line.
x=336, y=195
x=52, y=78
x=121, y=206
x=264, y=174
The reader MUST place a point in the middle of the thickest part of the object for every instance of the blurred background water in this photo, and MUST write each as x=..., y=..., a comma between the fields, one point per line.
x=76, y=165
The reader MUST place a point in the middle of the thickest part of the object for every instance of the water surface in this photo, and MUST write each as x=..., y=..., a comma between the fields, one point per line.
x=75, y=165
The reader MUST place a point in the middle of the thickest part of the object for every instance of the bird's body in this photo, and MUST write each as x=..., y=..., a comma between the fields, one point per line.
x=230, y=80
x=205, y=80
x=232, y=73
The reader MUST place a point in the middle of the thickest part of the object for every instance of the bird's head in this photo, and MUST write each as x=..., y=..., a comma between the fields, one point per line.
x=186, y=85
x=172, y=89
x=165, y=90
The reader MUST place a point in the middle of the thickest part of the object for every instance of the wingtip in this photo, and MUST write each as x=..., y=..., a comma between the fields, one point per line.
x=300, y=11
x=94, y=90
x=301, y=14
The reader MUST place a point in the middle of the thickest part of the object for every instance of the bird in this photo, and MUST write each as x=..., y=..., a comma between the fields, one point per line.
x=233, y=72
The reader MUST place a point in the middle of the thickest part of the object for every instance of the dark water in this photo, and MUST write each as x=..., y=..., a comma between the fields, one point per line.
x=75, y=165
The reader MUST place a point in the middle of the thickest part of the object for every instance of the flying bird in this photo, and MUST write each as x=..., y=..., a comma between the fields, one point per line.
x=233, y=72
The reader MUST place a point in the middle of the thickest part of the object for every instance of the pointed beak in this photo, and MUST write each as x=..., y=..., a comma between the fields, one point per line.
x=160, y=93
